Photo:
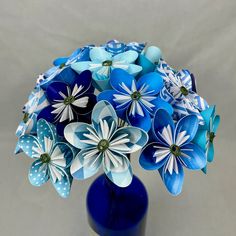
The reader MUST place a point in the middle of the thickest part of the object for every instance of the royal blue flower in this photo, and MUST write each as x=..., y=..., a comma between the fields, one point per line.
x=103, y=62
x=104, y=144
x=68, y=101
x=180, y=91
x=206, y=133
x=61, y=70
x=135, y=101
x=172, y=149
x=52, y=158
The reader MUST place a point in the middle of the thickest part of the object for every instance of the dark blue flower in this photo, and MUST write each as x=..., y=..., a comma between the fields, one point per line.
x=172, y=149
x=68, y=101
x=135, y=101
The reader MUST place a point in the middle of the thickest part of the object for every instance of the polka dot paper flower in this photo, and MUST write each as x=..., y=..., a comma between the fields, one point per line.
x=68, y=101
x=206, y=133
x=135, y=101
x=103, y=144
x=172, y=149
x=52, y=158
x=102, y=63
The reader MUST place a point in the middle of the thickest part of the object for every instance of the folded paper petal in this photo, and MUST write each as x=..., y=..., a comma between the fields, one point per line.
x=207, y=114
x=147, y=159
x=83, y=80
x=98, y=54
x=47, y=114
x=63, y=186
x=127, y=57
x=38, y=173
x=107, y=95
x=84, y=167
x=161, y=104
x=55, y=90
x=174, y=181
x=216, y=123
x=137, y=139
x=153, y=81
x=201, y=139
x=134, y=69
x=193, y=157
x=81, y=66
x=210, y=152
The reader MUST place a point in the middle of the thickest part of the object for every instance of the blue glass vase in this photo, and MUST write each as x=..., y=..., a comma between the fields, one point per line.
x=115, y=211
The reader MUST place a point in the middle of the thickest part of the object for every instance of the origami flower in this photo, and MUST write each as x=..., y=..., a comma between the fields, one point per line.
x=102, y=63
x=135, y=101
x=103, y=144
x=116, y=47
x=206, y=133
x=61, y=69
x=68, y=101
x=52, y=158
x=173, y=149
x=179, y=92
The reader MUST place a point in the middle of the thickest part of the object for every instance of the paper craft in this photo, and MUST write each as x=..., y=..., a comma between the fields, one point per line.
x=91, y=110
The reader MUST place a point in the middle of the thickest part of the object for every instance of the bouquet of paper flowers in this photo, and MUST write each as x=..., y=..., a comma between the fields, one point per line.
x=91, y=110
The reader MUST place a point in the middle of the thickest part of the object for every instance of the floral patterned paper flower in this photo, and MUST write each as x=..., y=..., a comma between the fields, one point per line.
x=67, y=101
x=135, y=101
x=52, y=158
x=179, y=91
x=61, y=69
x=173, y=149
x=102, y=63
x=103, y=144
x=206, y=133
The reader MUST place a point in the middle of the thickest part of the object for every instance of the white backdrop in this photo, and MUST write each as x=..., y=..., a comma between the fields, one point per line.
x=198, y=35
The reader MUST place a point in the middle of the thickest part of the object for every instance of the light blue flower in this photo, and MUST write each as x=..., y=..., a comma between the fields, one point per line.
x=172, y=149
x=52, y=158
x=135, y=101
x=206, y=133
x=103, y=144
x=102, y=63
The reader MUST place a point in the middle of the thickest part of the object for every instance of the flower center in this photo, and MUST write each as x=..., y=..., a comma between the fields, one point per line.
x=62, y=65
x=175, y=150
x=25, y=117
x=45, y=158
x=107, y=63
x=211, y=136
x=69, y=100
x=184, y=91
x=136, y=95
x=103, y=145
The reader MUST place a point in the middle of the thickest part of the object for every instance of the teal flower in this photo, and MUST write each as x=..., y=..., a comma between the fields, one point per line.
x=206, y=133
x=103, y=62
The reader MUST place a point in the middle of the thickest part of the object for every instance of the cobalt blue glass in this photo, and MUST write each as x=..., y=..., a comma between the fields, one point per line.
x=115, y=211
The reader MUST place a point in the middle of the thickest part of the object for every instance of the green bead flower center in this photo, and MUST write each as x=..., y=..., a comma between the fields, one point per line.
x=184, y=91
x=107, y=63
x=45, y=158
x=103, y=145
x=62, y=65
x=211, y=136
x=136, y=95
x=175, y=150
x=25, y=117
x=69, y=100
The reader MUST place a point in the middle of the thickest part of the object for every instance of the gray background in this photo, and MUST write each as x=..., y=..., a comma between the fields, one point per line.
x=199, y=35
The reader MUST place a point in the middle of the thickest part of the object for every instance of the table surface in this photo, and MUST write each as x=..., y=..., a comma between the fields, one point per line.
x=198, y=35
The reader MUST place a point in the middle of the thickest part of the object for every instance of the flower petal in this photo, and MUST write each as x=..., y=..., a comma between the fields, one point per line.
x=103, y=110
x=122, y=174
x=67, y=75
x=161, y=104
x=147, y=158
x=161, y=120
x=128, y=140
x=63, y=186
x=210, y=152
x=98, y=54
x=107, y=95
x=143, y=122
x=128, y=57
x=75, y=133
x=121, y=81
x=81, y=66
x=152, y=81
x=134, y=69
x=201, y=138
x=86, y=164
x=216, y=123
x=29, y=145
x=174, y=181
x=46, y=130
x=47, y=114
x=92, y=99
x=56, y=91
x=38, y=173
x=186, y=129
x=193, y=157
x=207, y=115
